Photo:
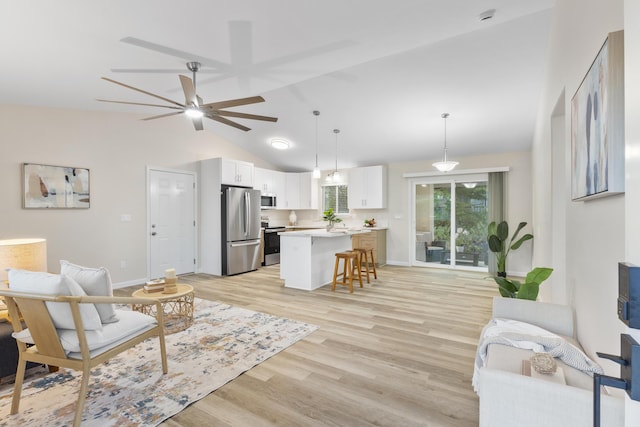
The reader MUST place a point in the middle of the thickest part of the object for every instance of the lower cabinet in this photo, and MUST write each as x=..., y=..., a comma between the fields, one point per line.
x=376, y=240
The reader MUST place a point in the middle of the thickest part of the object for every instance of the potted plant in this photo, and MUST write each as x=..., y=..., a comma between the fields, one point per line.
x=527, y=290
x=497, y=238
x=330, y=216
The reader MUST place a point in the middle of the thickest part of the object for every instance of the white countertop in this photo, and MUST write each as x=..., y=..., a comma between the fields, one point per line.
x=337, y=232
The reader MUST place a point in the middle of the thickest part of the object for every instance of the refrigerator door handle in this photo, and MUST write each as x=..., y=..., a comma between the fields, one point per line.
x=247, y=213
x=252, y=243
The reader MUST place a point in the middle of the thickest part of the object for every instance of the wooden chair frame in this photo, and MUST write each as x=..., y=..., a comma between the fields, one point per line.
x=48, y=348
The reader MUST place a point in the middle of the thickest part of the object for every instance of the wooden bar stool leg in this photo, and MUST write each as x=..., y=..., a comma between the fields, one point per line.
x=348, y=265
x=335, y=274
x=356, y=266
x=366, y=264
x=373, y=263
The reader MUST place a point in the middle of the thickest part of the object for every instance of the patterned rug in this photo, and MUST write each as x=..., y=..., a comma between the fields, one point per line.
x=130, y=390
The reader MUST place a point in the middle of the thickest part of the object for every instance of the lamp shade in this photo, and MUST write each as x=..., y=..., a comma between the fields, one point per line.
x=24, y=254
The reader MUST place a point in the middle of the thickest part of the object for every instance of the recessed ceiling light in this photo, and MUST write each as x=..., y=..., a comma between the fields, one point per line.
x=487, y=14
x=279, y=143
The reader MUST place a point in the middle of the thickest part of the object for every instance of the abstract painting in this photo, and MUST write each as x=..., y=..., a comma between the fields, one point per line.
x=597, y=126
x=47, y=186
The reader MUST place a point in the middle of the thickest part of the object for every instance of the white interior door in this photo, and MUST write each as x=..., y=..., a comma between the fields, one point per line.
x=171, y=222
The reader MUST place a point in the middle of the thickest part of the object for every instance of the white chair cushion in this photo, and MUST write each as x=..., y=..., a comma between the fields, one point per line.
x=131, y=324
x=95, y=282
x=54, y=284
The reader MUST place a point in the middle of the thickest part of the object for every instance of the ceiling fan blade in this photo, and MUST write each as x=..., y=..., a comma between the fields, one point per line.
x=189, y=91
x=227, y=122
x=233, y=103
x=143, y=91
x=187, y=56
x=197, y=123
x=246, y=116
x=140, y=103
x=157, y=71
x=163, y=115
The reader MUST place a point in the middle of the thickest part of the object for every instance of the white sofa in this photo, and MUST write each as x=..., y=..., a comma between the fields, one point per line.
x=508, y=398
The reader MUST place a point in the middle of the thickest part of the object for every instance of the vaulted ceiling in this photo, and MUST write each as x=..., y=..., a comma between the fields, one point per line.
x=380, y=71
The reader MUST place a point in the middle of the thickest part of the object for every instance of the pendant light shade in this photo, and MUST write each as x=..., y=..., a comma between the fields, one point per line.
x=445, y=165
x=316, y=170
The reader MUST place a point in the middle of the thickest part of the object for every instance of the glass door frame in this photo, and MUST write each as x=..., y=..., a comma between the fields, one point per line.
x=452, y=180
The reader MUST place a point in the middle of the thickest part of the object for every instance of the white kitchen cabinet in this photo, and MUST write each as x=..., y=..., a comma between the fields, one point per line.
x=268, y=181
x=368, y=187
x=308, y=191
x=301, y=191
x=235, y=172
x=291, y=191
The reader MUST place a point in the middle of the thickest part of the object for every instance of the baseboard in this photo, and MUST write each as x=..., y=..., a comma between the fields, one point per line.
x=129, y=283
x=399, y=263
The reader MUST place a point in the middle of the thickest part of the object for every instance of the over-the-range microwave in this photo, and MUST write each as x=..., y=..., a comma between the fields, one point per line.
x=268, y=201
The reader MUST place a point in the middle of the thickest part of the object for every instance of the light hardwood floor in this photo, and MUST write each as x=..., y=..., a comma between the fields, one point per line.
x=399, y=352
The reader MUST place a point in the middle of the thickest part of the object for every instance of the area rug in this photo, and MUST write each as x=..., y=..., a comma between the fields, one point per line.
x=130, y=390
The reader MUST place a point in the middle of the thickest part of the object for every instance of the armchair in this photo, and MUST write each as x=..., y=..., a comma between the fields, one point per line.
x=78, y=348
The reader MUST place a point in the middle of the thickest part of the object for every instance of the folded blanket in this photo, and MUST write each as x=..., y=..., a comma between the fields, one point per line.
x=530, y=337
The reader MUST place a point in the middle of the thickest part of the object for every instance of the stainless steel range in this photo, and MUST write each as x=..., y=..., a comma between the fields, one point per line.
x=272, y=245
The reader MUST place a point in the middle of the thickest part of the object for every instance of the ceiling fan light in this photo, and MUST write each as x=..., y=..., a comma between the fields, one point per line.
x=336, y=176
x=194, y=113
x=445, y=166
x=279, y=143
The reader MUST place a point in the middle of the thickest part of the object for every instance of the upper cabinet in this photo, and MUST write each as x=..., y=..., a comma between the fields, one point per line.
x=308, y=191
x=269, y=181
x=368, y=187
x=235, y=172
x=301, y=192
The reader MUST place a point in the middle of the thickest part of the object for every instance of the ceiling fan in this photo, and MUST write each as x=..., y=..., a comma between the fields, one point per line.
x=193, y=105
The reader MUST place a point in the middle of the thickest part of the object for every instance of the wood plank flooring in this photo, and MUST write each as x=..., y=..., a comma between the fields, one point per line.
x=397, y=353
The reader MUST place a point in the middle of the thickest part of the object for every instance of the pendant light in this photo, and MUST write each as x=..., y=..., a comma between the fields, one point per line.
x=445, y=165
x=316, y=170
x=335, y=175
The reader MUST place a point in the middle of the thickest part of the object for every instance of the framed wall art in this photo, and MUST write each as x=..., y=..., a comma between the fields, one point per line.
x=597, y=125
x=55, y=187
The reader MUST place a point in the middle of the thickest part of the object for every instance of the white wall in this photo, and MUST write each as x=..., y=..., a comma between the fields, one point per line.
x=595, y=232
x=116, y=148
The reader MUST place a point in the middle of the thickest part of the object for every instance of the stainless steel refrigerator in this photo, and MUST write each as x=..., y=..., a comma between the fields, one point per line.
x=240, y=230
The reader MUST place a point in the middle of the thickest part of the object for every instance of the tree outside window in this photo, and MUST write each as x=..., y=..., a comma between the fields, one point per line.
x=335, y=197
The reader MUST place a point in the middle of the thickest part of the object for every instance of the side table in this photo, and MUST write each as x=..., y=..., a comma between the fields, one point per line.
x=177, y=307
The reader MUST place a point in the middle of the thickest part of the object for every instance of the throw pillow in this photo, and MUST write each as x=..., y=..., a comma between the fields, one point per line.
x=54, y=284
x=95, y=282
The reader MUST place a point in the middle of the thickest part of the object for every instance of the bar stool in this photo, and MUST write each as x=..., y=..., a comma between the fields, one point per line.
x=351, y=265
x=367, y=255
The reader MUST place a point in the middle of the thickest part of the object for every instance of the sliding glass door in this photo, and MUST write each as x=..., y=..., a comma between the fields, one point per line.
x=450, y=221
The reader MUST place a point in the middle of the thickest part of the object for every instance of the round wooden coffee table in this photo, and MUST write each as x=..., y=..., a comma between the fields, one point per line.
x=177, y=307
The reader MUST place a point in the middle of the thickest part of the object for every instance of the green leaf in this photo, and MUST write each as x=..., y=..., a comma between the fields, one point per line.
x=539, y=275
x=495, y=244
x=491, y=230
x=503, y=230
x=523, y=239
x=529, y=291
x=506, y=287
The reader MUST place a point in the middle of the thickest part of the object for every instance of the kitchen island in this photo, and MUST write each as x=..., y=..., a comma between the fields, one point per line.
x=307, y=257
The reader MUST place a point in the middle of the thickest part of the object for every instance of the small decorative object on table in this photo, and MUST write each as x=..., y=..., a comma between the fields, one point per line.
x=170, y=281
x=370, y=222
x=543, y=363
x=152, y=286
